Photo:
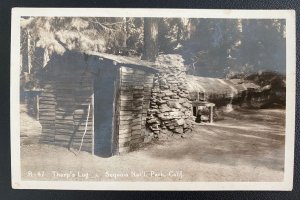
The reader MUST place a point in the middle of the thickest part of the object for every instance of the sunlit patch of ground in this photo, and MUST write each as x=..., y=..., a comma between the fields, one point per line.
x=248, y=145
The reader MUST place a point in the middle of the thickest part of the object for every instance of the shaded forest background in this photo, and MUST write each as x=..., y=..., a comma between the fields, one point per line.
x=223, y=48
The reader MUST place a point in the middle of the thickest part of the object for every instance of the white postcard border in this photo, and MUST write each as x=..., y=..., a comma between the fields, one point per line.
x=289, y=15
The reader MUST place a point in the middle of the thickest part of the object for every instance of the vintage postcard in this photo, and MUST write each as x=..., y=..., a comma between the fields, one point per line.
x=152, y=99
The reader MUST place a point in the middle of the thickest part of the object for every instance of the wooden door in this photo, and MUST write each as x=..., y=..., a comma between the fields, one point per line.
x=105, y=96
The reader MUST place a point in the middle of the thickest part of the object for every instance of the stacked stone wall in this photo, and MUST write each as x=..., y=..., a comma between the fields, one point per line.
x=170, y=109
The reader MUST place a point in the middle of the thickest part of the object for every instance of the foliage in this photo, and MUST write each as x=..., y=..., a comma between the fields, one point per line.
x=210, y=47
x=225, y=47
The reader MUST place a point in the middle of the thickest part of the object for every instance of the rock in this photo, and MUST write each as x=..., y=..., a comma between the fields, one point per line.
x=164, y=87
x=174, y=104
x=171, y=127
x=183, y=95
x=164, y=117
x=153, y=111
x=169, y=93
x=188, y=113
x=162, y=81
x=173, y=88
x=183, y=100
x=164, y=108
x=173, y=82
x=161, y=95
x=152, y=121
x=160, y=102
x=166, y=98
x=180, y=122
x=154, y=127
x=175, y=96
x=155, y=90
x=167, y=132
x=178, y=130
x=176, y=113
x=187, y=105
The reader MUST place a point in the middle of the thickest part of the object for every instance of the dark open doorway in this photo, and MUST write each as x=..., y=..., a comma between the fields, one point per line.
x=105, y=103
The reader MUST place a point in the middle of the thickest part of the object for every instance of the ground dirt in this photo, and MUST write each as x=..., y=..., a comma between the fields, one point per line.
x=247, y=145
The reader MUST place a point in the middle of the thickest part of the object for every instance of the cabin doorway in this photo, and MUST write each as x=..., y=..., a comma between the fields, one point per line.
x=106, y=89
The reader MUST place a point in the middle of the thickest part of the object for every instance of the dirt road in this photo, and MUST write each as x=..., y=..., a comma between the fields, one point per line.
x=247, y=145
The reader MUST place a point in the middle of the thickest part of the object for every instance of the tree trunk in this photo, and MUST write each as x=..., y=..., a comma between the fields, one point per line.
x=150, y=39
x=124, y=27
x=28, y=52
x=179, y=30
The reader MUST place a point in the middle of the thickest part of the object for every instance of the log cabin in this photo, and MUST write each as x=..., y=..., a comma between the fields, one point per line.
x=95, y=102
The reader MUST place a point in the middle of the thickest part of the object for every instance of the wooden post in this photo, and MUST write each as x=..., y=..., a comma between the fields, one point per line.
x=211, y=114
x=93, y=124
x=37, y=107
x=28, y=52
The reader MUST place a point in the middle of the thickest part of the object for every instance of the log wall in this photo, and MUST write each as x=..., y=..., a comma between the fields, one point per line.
x=135, y=94
x=68, y=92
x=64, y=105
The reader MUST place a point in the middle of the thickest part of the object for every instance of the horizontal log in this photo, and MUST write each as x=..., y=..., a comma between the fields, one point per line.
x=126, y=103
x=137, y=118
x=46, y=119
x=65, y=99
x=136, y=127
x=68, y=126
x=43, y=99
x=83, y=93
x=122, y=140
x=125, y=144
x=64, y=109
x=125, y=118
x=124, y=131
x=82, y=122
x=47, y=95
x=48, y=133
x=137, y=141
x=136, y=132
x=124, y=122
x=88, y=134
x=132, y=79
x=136, y=123
x=126, y=97
x=131, y=70
x=64, y=131
x=124, y=136
x=47, y=103
x=125, y=113
x=62, y=137
x=133, y=75
x=47, y=123
x=62, y=121
x=82, y=128
x=46, y=114
x=50, y=109
x=125, y=108
x=124, y=126
x=124, y=149
x=136, y=136
x=47, y=109
x=87, y=138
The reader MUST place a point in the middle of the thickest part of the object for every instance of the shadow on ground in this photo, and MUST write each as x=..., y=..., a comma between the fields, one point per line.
x=251, y=137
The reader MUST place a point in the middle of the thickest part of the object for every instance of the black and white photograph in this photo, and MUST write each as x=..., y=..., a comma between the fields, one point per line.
x=152, y=99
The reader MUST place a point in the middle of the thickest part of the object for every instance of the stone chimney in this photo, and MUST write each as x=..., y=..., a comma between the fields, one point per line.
x=170, y=110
